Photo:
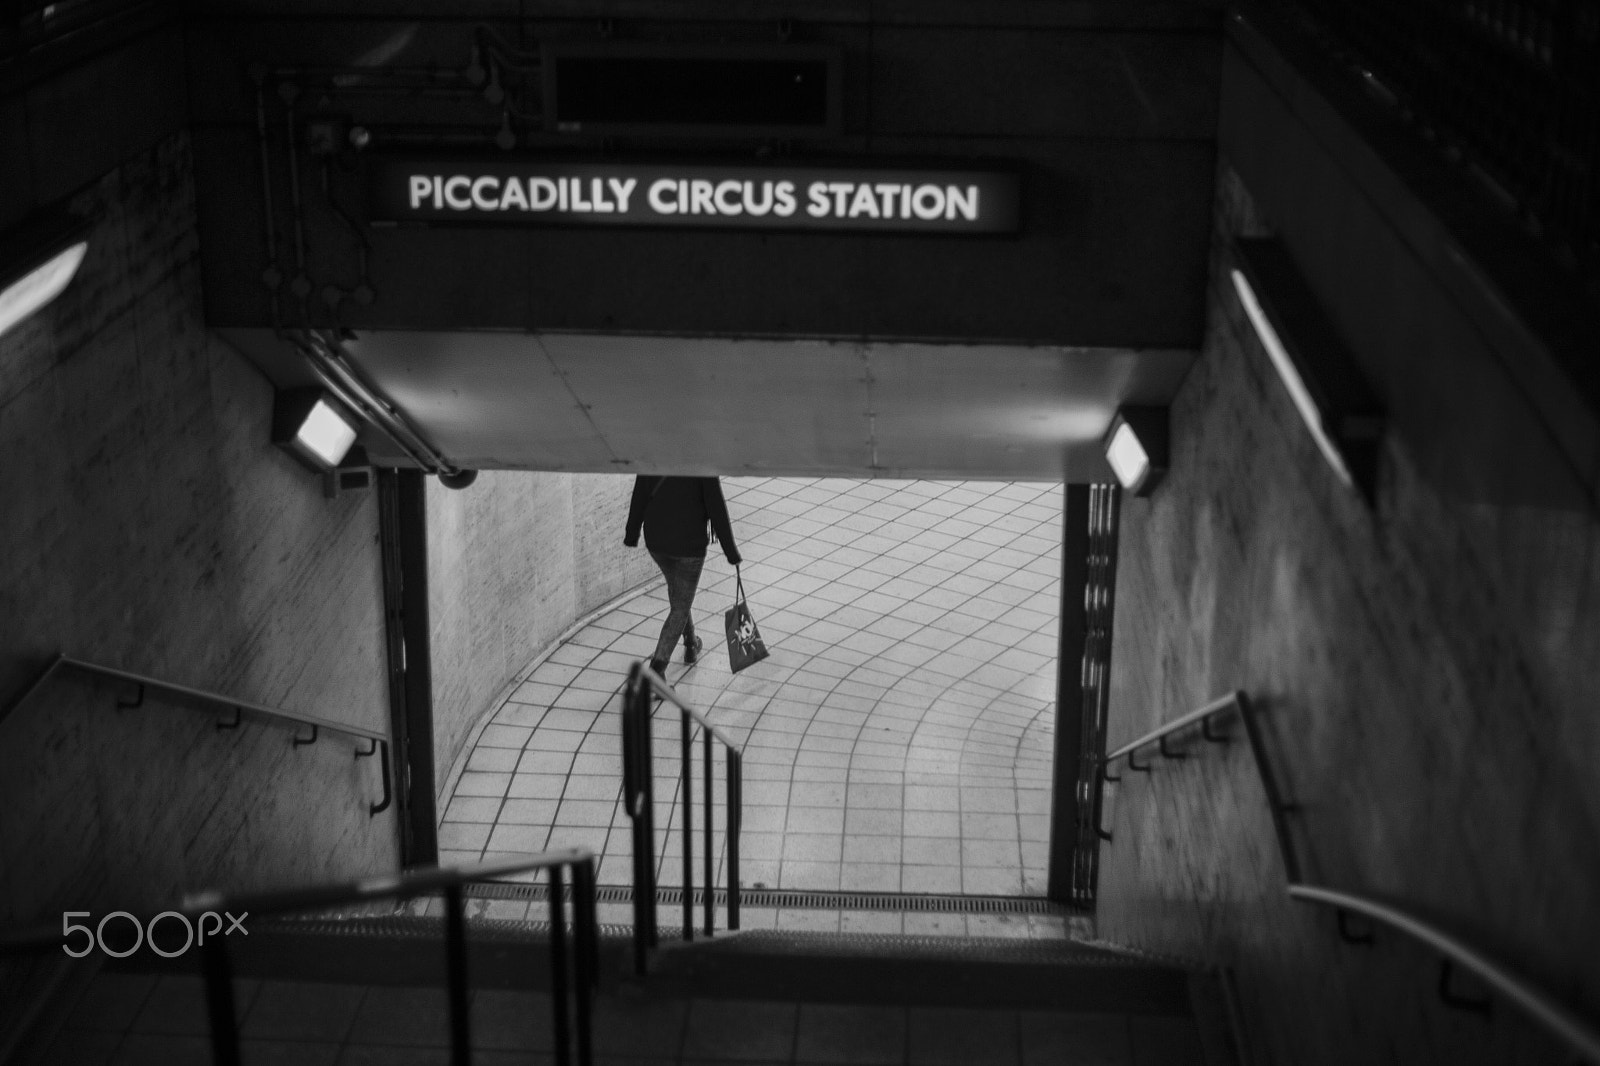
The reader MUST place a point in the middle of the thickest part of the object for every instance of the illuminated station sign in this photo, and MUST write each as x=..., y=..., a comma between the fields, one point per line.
x=512, y=193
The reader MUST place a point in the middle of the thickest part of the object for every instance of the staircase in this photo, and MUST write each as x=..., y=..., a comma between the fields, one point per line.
x=370, y=990
x=455, y=965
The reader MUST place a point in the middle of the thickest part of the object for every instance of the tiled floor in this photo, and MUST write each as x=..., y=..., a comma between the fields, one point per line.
x=142, y=1020
x=898, y=739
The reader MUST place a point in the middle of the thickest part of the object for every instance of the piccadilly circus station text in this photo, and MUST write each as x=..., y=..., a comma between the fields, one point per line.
x=696, y=196
x=574, y=194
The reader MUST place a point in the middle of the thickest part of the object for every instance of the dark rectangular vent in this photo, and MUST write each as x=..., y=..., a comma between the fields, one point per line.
x=787, y=91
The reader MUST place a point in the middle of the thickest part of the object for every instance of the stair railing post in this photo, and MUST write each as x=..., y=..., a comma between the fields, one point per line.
x=633, y=800
x=735, y=816
x=586, y=951
x=558, y=968
x=687, y=777
x=647, y=788
x=219, y=1003
x=710, y=859
x=455, y=945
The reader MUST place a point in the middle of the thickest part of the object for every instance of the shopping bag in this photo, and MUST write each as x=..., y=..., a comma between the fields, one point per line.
x=744, y=639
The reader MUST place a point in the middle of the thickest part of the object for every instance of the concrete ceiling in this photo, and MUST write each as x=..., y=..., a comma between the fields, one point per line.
x=585, y=402
x=566, y=347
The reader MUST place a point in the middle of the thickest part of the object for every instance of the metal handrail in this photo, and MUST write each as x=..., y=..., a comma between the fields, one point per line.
x=1563, y=1024
x=1204, y=718
x=1572, y=1030
x=638, y=779
x=449, y=881
x=409, y=885
x=1155, y=736
x=667, y=694
x=240, y=708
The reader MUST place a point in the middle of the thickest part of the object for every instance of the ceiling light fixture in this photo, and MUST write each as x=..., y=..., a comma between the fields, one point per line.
x=313, y=427
x=1136, y=447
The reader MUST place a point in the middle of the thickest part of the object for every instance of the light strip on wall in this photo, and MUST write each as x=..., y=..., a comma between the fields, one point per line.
x=1290, y=375
x=39, y=285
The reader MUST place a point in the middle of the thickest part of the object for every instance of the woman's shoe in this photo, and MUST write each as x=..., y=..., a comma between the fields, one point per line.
x=691, y=649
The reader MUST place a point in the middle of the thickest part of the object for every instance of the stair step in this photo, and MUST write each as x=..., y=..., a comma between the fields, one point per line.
x=923, y=971
x=770, y=996
x=402, y=950
x=165, y=1018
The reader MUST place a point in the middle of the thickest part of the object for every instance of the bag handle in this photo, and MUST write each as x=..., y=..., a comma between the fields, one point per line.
x=738, y=580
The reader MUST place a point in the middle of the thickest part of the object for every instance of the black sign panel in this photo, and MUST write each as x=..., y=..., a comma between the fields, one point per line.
x=530, y=193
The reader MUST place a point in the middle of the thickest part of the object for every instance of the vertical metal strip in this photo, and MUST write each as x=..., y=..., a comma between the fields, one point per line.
x=634, y=807
x=586, y=955
x=455, y=946
x=1065, y=826
x=637, y=784
x=629, y=781
x=636, y=708
x=710, y=857
x=220, y=1006
x=412, y=512
x=735, y=820
x=1099, y=698
x=647, y=784
x=1088, y=848
x=1088, y=587
x=558, y=969
x=687, y=799
x=394, y=646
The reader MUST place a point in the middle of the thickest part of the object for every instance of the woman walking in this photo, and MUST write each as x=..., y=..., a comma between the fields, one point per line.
x=675, y=513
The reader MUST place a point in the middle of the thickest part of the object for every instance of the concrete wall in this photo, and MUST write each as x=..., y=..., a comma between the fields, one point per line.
x=149, y=524
x=513, y=561
x=70, y=113
x=1424, y=668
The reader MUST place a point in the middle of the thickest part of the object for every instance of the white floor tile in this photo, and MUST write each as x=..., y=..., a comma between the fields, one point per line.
x=899, y=738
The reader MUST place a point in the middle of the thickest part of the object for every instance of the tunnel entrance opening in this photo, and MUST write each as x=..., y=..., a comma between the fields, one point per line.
x=899, y=739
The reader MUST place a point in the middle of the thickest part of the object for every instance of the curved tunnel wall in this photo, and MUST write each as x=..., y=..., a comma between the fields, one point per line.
x=513, y=561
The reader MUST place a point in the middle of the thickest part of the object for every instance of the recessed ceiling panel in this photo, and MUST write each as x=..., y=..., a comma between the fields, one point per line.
x=1011, y=412
x=585, y=402
x=485, y=400
x=729, y=406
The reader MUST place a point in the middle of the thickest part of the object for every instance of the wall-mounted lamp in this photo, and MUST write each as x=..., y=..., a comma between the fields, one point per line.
x=1136, y=447
x=313, y=427
x=1322, y=378
x=37, y=260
